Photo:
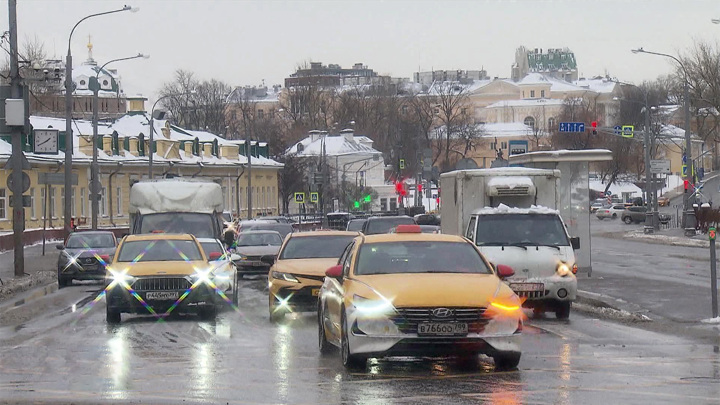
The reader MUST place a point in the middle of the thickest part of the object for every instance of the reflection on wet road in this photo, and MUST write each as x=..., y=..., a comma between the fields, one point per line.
x=242, y=358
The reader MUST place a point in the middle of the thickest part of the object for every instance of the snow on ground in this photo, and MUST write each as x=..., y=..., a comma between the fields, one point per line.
x=715, y=320
x=666, y=239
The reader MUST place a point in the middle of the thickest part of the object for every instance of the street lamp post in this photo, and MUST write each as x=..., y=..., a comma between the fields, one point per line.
x=95, y=186
x=688, y=213
x=68, y=117
x=152, y=128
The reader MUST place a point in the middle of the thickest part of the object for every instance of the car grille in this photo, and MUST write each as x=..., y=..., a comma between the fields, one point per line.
x=87, y=261
x=254, y=258
x=161, y=284
x=407, y=319
x=532, y=294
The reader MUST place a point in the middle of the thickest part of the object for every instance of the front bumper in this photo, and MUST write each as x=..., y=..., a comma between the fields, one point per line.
x=382, y=339
x=296, y=297
x=120, y=299
x=251, y=267
x=556, y=288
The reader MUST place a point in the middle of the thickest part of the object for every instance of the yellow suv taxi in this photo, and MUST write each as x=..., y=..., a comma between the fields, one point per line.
x=297, y=274
x=160, y=273
x=415, y=294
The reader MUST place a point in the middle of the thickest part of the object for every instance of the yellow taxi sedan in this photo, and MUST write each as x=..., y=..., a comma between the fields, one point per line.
x=159, y=274
x=296, y=276
x=415, y=294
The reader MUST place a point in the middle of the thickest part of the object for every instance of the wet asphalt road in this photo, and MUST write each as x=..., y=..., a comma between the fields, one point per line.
x=66, y=353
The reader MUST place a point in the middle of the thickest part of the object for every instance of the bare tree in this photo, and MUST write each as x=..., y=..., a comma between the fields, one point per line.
x=452, y=100
x=196, y=104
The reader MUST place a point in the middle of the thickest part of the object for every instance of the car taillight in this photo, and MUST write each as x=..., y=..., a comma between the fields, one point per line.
x=105, y=258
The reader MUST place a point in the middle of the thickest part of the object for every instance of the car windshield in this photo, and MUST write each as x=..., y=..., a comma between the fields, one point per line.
x=198, y=224
x=310, y=247
x=159, y=250
x=520, y=230
x=419, y=257
x=212, y=247
x=355, y=225
x=79, y=241
x=227, y=217
x=259, y=239
x=384, y=225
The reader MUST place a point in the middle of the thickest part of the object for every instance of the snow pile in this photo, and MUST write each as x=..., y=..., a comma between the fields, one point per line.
x=715, y=320
x=510, y=182
x=611, y=313
x=504, y=209
x=666, y=239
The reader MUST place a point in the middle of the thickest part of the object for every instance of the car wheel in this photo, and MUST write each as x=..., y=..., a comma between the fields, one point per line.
x=112, y=316
x=627, y=220
x=350, y=361
x=614, y=216
x=64, y=281
x=562, y=311
x=506, y=360
x=323, y=343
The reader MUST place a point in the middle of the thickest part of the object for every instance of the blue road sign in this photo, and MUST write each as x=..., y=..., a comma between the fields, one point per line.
x=684, y=170
x=572, y=127
x=618, y=129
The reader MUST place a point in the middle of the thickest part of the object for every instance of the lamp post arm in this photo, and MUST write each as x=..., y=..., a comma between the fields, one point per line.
x=125, y=8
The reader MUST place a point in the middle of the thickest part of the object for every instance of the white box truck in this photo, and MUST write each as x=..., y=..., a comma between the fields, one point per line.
x=177, y=206
x=511, y=215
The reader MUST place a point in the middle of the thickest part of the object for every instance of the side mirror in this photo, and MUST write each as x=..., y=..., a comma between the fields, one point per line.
x=59, y=247
x=575, y=242
x=268, y=259
x=334, y=271
x=504, y=271
x=235, y=257
x=215, y=255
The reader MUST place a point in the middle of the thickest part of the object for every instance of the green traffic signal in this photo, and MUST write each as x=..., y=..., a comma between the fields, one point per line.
x=357, y=204
x=368, y=198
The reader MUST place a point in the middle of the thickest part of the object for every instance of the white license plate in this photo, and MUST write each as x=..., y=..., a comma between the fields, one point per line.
x=433, y=328
x=162, y=295
x=525, y=287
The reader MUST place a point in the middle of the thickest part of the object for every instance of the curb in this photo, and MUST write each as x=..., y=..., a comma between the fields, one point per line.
x=665, y=239
x=39, y=284
x=595, y=304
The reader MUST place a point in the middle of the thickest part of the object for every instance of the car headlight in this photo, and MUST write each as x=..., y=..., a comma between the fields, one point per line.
x=202, y=276
x=284, y=276
x=563, y=270
x=120, y=277
x=372, y=306
x=69, y=259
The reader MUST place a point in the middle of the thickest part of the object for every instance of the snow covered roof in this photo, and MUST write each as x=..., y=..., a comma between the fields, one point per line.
x=456, y=87
x=556, y=85
x=597, y=84
x=505, y=129
x=504, y=209
x=533, y=79
x=538, y=102
x=617, y=188
x=334, y=146
x=510, y=181
x=253, y=94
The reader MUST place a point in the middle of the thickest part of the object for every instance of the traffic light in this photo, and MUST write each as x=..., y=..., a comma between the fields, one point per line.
x=594, y=127
x=419, y=188
x=368, y=198
x=686, y=185
x=356, y=204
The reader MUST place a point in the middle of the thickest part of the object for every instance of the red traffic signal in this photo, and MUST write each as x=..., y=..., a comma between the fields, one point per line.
x=687, y=185
x=419, y=188
x=594, y=127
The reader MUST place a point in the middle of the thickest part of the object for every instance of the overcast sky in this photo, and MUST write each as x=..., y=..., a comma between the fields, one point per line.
x=244, y=42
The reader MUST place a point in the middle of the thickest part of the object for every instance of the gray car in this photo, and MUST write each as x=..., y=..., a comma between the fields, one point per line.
x=84, y=256
x=257, y=249
x=637, y=214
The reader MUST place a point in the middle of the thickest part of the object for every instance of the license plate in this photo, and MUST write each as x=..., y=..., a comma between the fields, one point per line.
x=162, y=295
x=315, y=292
x=442, y=329
x=257, y=264
x=524, y=287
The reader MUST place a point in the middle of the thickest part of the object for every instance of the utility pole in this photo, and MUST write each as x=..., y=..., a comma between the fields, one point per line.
x=649, y=217
x=17, y=156
x=248, y=150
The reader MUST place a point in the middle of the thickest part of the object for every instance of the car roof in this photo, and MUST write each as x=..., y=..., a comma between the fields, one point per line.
x=388, y=217
x=207, y=240
x=259, y=231
x=324, y=233
x=161, y=236
x=412, y=237
x=92, y=233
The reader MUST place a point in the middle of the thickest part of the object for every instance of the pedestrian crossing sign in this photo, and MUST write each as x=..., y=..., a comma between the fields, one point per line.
x=314, y=197
x=627, y=131
x=300, y=198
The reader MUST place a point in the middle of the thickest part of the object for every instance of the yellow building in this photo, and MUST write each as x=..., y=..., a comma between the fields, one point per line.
x=123, y=152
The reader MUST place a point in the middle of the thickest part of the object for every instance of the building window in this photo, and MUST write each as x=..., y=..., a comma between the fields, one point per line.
x=493, y=145
x=261, y=114
x=551, y=123
x=43, y=202
x=232, y=199
x=542, y=93
x=52, y=202
x=62, y=202
x=404, y=109
x=32, y=203
x=383, y=204
x=118, y=200
x=530, y=121
x=393, y=204
x=532, y=93
x=3, y=204
x=73, y=210
x=82, y=202
x=103, y=202
x=225, y=197
x=503, y=145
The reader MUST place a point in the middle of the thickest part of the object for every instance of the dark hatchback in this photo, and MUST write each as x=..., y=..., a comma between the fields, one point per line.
x=376, y=225
x=84, y=256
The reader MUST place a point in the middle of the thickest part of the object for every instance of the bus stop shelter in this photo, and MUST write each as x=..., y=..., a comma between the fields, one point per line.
x=574, y=193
